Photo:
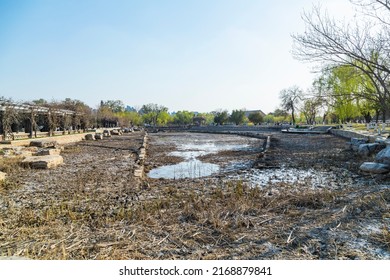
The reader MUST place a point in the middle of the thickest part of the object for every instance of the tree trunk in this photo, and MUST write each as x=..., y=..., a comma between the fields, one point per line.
x=367, y=117
x=292, y=116
x=384, y=112
x=32, y=124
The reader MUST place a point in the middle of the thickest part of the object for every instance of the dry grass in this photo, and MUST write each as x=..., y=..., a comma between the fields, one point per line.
x=9, y=165
x=92, y=208
x=228, y=221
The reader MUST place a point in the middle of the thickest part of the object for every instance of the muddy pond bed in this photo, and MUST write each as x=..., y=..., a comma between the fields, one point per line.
x=304, y=200
x=200, y=155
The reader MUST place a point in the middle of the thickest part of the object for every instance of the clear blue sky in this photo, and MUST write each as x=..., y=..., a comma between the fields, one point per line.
x=197, y=55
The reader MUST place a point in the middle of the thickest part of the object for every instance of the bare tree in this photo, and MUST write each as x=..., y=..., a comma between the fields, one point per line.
x=32, y=117
x=9, y=117
x=376, y=9
x=361, y=46
x=290, y=99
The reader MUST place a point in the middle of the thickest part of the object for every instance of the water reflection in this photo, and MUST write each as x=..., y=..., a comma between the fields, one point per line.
x=190, y=149
x=187, y=169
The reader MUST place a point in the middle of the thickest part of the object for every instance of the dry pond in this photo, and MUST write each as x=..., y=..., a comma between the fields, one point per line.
x=93, y=208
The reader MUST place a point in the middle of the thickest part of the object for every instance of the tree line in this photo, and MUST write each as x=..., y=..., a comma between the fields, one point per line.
x=158, y=115
x=109, y=113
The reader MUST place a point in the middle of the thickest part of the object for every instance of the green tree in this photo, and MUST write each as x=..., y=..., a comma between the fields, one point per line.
x=129, y=118
x=269, y=118
x=151, y=113
x=322, y=93
x=40, y=102
x=310, y=109
x=352, y=93
x=116, y=106
x=163, y=118
x=238, y=117
x=256, y=118
x=105, y=116
x=220, y=117
x=183, y=117
x=209, y=117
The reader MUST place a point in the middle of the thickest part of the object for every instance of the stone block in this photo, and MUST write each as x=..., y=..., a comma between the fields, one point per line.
x=355, y=143
x=383, y=156
x=358, y=141
x=89, y=137
x=374, y=167
x=48, y=152
x=23, y=153
x=31, y=149
x=139, y=171
x=43, y=162
x=44, y=143
x=115, y=132
x=367, y=149
x=106, y=133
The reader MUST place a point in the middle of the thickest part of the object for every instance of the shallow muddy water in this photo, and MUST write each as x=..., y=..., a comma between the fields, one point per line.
x=190, y=147
x=187, y=169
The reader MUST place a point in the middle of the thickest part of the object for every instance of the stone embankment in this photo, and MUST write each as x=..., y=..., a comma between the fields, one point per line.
x=381, y=165
x=141, y=152
x=139, y=171
x=61, y=140
x=367, y=145
x=365, y=149
x=352, y=134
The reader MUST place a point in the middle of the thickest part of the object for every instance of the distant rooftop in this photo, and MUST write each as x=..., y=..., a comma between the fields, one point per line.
x=247, y=113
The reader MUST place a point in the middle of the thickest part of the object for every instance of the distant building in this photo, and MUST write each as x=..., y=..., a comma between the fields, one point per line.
x=130, y=109
x=247, y=113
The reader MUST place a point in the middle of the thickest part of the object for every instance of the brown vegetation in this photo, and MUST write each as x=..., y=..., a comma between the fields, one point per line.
x=93, y=208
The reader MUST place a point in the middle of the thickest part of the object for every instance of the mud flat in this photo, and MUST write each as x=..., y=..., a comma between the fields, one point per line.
x=92, y=207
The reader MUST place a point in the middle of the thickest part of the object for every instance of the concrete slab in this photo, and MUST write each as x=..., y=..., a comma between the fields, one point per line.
x=374, y=167
x=48, y=152
x=44, y=143
x=43, y=162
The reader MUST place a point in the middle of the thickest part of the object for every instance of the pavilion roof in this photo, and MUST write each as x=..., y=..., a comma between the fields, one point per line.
x=27, y=107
